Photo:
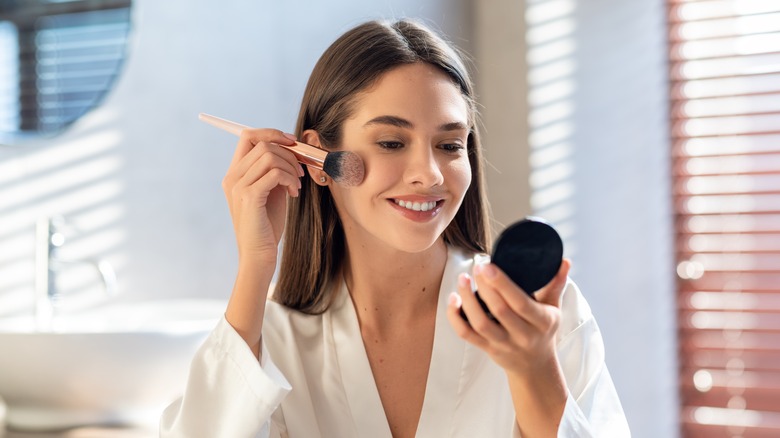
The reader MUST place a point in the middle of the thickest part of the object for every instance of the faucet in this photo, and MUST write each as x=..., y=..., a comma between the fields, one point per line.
x=48, y=239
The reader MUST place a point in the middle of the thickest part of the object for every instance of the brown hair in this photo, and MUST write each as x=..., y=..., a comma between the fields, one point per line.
x=314, y=243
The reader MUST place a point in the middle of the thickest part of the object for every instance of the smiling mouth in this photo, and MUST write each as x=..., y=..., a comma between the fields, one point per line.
x=417, y=206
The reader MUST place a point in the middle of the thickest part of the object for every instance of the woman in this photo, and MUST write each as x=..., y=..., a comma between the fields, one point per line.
x=362, y=337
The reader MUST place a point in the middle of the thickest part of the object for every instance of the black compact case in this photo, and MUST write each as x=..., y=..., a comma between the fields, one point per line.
x=530, y=252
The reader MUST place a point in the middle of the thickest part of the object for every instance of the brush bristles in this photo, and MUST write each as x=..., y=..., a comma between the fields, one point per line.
x=344, y=167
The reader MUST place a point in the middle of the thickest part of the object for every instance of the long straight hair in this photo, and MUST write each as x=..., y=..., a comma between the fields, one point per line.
x=314, y=242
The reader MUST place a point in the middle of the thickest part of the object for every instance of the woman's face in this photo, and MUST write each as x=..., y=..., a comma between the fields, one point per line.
x=411, y=130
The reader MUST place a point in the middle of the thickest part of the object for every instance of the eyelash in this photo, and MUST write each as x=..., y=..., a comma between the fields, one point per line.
x=452, y=147
x=387, y=145
x=395, y=145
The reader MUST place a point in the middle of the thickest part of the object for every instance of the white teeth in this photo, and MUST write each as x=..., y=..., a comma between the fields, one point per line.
x=416, y=206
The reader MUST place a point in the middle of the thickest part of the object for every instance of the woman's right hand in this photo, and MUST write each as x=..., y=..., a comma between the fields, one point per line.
x=260, y=176
x=256, y=185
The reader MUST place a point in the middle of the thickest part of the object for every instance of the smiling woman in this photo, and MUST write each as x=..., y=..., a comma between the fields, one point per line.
x=363, y=335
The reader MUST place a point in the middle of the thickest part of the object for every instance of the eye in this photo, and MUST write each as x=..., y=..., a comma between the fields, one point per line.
x=451, y=147
x=390, y=145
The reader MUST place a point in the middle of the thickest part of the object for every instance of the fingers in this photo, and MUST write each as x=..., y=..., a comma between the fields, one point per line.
x=494, y=281
x=479, y=323
x=526, y=329
x=494, y=284
x=239, y=168
x=551, y=293
x=505, y=314
x=262, y=159
x=255, y=192
x=461, y=327
x=250, y=137
x=273, y=164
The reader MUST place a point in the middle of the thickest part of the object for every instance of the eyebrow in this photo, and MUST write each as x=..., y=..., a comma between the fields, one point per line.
x=403, y=123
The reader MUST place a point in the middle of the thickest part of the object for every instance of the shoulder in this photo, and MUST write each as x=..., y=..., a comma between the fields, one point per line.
x=285, y=324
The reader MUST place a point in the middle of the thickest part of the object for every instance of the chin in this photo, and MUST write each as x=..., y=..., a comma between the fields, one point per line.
x=416, y=245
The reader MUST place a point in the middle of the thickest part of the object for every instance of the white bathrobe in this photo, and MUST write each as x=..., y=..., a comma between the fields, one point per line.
x=314, y=379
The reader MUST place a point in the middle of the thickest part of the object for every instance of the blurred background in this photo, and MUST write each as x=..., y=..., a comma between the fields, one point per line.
x=646, y=131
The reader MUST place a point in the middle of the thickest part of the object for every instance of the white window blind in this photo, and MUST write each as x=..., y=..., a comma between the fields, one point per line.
x=725, y=73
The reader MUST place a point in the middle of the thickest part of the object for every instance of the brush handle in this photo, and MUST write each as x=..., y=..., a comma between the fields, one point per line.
x=305, y=153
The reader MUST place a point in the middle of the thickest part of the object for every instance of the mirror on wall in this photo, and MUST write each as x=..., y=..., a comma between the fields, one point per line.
x=58, y=59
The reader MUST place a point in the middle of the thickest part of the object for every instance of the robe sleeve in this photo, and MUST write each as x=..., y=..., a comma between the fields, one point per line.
x=228, y=393
x=593, y=409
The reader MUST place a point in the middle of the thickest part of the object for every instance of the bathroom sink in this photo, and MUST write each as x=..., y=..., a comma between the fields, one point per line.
x=115, y=365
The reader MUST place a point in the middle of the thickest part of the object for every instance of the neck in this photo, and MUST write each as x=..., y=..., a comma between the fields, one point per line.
x=391, y=288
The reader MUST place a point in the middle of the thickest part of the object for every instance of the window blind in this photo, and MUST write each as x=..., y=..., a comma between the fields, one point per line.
x=725, y=107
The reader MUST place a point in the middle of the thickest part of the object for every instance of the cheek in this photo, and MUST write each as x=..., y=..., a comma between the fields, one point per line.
x=381, y=172
x=459, y=175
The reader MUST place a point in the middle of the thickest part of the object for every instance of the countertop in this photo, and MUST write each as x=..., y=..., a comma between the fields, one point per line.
x=85, y=432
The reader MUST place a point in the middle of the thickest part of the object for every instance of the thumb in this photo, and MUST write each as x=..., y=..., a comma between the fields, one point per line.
x=551, y=293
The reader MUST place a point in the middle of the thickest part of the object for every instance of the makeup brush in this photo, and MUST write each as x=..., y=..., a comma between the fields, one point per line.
x=343, y=166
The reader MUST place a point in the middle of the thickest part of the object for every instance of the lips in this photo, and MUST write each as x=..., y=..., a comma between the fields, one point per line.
x=418, y=208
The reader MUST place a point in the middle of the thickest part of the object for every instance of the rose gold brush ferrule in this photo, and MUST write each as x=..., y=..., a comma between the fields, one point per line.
x=305, y=153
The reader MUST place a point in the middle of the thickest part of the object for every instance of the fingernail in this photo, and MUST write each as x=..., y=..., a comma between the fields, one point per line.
x=464, y=280
x=488, y=270
x=454, y=299
x=290, y=136
x=300, y=170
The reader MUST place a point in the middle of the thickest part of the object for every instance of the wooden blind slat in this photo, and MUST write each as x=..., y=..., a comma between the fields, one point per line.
x=736, y=223
x=756, y=281
x=729, y=166
x=754, y=399
x=735, y=183
x=729, y=243
x=727, y=204
x=734, y=125
x=734, y=86
x=705, y=431
x=724, y=359
x=744, y=319
x=734, y=340
x=685, y=11
x=717, y=28
x=726, y=67
x=727, y=106
x=724, y=47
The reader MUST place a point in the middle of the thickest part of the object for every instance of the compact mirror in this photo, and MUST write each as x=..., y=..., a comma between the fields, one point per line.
x=530, y=252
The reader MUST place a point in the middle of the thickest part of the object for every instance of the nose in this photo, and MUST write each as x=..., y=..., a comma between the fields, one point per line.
x=423, y=169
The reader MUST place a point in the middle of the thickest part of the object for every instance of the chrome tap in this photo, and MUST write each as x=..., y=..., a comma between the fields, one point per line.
x=48, y=239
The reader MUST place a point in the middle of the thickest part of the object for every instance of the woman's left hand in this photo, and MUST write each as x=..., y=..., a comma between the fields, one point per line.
x=524, y=342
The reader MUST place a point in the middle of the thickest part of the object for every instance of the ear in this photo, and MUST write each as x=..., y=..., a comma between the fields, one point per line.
x=319, y=177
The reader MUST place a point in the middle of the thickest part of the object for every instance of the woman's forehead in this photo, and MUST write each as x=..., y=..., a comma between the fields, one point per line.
x=414, y=93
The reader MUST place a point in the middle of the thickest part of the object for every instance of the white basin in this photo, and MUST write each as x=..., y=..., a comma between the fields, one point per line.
x=120, y=364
